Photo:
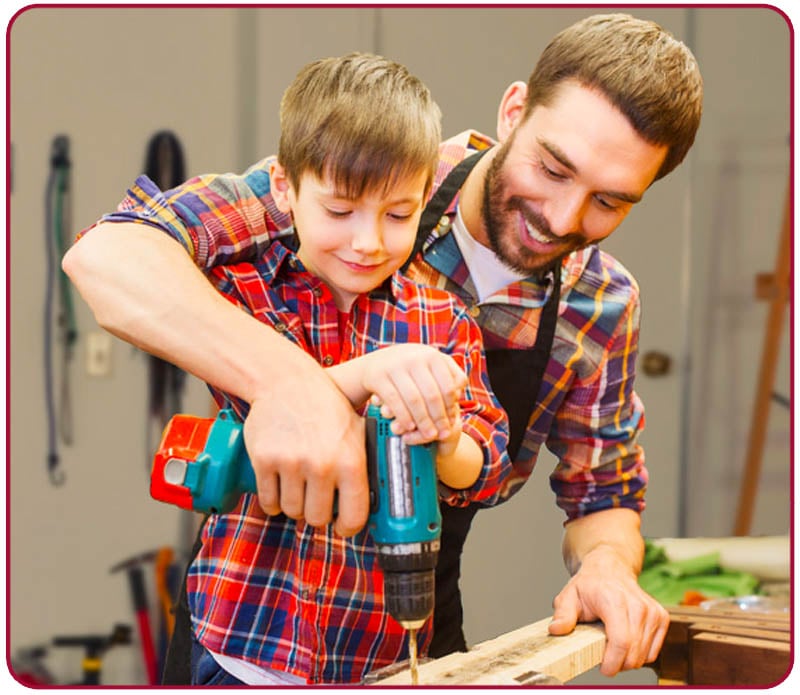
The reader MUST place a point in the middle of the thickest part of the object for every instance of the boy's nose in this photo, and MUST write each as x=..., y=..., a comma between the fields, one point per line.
x=367, y=237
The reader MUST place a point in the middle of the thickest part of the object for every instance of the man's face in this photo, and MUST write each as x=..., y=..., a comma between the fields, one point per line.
x=354, y=245
x=565, y=177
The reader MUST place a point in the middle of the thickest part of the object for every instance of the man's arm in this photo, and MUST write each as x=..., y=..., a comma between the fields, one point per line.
x=601, y=481
x=144, y=288
x=603, y=552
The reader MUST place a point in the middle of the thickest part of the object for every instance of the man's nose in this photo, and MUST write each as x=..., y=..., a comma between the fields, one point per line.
x=566, y=215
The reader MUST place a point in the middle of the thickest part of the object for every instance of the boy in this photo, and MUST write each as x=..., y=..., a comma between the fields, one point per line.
x=273, y=599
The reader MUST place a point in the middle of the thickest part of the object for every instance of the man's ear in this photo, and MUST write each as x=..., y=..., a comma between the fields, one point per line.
x=512, y=106
x=279, y=187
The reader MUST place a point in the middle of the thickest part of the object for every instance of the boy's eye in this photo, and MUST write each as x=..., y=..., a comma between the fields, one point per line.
x=337, y=212
x=400, y=216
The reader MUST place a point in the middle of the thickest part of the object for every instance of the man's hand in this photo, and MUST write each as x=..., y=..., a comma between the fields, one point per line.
x=305, y=446
x=604, y=587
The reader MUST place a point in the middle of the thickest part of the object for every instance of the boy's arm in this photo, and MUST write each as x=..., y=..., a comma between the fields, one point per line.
x=420, y=388
x=143, y=288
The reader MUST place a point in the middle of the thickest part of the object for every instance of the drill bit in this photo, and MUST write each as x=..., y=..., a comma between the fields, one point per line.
x=412, y=656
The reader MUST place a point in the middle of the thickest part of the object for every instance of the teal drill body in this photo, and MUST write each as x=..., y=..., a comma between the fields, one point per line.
x=209, y=470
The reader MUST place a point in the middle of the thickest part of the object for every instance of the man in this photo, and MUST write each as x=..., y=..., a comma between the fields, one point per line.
x=612, y=105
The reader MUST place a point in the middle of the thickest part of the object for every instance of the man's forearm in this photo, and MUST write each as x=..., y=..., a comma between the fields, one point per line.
x=594, y=535
x=143, y=288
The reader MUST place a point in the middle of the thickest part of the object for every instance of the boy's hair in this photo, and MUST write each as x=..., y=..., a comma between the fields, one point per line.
x=650, y=76
x=362, y=120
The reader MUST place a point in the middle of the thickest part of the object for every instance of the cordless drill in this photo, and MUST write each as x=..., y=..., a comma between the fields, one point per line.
x=202, y=464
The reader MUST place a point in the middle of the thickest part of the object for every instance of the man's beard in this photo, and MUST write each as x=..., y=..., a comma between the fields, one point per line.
x=500, y=221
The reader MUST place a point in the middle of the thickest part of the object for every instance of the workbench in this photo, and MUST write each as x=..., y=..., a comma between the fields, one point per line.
x=731, y=647
x=710, y=647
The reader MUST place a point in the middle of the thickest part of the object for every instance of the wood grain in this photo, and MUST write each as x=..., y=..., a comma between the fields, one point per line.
x=512, y=658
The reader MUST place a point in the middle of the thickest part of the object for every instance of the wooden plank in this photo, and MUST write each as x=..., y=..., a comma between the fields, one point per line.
x=760, y=622
x=673, y=661
x=510, y=659
x=740, y=629
x=732, y=660
x=702, y=613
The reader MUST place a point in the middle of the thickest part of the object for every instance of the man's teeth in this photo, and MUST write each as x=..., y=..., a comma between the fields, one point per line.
x=536, y=235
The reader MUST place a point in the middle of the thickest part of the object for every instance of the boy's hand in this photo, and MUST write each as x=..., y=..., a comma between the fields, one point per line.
x=419, y=387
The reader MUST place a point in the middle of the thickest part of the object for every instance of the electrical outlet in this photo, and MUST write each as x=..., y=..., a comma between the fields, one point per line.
x=98, y=353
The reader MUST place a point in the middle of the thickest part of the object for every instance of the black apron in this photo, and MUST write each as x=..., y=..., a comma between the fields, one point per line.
x=515, y=376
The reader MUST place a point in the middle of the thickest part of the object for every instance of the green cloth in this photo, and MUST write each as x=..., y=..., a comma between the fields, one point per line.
x=668, y=580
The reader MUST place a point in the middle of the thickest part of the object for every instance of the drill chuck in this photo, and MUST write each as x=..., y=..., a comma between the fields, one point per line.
x=409, y=596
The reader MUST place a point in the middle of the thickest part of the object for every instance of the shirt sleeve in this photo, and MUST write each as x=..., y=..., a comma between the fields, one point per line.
x=483, y=419
x=595, y=430
x=218, y=218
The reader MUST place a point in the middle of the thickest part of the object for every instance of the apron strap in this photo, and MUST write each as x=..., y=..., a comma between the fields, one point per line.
x=440, y=201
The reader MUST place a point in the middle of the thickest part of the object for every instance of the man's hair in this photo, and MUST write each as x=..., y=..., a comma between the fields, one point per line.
x=650, y=76
x=362, y=120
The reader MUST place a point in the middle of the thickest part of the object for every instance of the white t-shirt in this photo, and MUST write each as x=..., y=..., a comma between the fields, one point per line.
x=488, y=272
x=255, y=675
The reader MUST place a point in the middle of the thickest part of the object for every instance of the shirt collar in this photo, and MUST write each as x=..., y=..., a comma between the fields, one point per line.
x=281, y=259
x=443, y=254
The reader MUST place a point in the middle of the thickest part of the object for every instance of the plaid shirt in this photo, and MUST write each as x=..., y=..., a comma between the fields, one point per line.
x=288, y=596
x=587, y=412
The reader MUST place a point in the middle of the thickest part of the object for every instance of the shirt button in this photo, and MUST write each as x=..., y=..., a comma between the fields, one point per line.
x=317, y=291
x=293, y=263
x=474, y=311
x=327, y=360
x=280, y=327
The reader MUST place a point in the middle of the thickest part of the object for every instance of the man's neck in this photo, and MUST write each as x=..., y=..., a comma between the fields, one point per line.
x=471, y=199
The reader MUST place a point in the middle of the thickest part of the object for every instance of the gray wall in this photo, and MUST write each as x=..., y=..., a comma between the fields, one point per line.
x=102, y=77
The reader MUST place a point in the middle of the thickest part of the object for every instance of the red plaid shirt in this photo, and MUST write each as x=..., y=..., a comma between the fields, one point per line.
x=287, y=596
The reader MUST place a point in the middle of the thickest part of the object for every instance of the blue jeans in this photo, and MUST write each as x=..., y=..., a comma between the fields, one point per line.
x=206, y=670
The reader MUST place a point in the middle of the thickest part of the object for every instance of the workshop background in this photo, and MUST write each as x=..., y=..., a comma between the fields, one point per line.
x=110, y=79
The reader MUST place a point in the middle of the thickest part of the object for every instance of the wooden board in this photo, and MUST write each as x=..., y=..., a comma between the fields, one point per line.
x=511, y=658
x=717, y=659
x=738, y=629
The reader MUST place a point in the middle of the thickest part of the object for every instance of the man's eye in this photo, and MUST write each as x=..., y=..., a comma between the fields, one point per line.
x=606, y=204
x=550, y=173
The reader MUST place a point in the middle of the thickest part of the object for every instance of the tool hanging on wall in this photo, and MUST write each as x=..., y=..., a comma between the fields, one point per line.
x=164, y=166
x=57, y=226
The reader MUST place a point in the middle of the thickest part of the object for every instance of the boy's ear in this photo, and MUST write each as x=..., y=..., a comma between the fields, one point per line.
x=279, y=187
x=512, y=106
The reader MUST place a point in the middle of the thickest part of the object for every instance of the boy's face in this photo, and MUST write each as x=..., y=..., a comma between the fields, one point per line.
x=352, y=245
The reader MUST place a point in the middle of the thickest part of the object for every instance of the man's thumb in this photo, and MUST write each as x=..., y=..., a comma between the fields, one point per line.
x=565, y=615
